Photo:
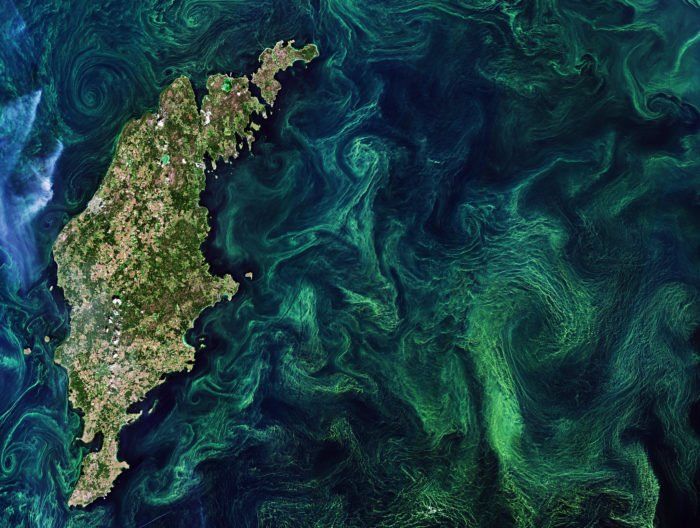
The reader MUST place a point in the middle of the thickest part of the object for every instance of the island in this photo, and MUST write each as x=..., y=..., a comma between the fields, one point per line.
x=130, y=265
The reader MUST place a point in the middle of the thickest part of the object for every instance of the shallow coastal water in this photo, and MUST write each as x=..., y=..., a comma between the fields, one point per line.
x=474, y=238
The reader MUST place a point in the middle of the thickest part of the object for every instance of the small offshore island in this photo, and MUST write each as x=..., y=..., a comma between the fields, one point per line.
x=131, y=266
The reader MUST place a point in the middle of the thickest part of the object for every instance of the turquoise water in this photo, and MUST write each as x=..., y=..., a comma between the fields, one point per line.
x=474, y=229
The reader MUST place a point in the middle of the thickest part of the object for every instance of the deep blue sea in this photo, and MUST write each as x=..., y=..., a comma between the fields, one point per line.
x=474, y=232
